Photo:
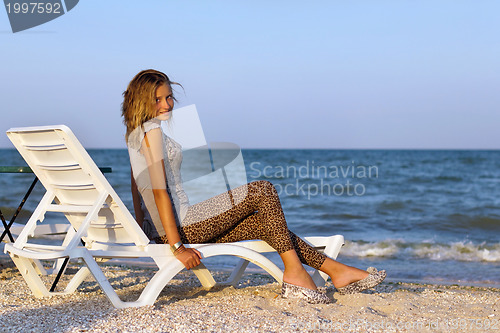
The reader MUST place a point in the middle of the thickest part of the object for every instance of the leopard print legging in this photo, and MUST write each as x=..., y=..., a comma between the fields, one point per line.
x=251, y=211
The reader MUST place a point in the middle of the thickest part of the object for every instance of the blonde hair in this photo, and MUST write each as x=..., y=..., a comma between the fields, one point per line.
x=139, y=100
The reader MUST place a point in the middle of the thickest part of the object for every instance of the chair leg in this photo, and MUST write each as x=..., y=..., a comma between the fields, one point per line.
x=77, y=280
x=204, y=275
x=30, y=274
x=150, y=293
x=39, y=267
x=59, y=263
x=171, y=267
x=103, y=282
x=237, y=273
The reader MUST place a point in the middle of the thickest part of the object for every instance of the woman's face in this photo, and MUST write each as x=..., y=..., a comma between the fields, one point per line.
x=164, y=102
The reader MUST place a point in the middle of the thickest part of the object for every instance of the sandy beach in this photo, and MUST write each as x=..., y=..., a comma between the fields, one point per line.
x=254, y=306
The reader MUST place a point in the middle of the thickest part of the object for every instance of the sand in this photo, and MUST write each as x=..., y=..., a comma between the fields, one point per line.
x=254, y=306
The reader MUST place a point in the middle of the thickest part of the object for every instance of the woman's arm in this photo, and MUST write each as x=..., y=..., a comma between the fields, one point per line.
x=152, y=149
x=139, y=214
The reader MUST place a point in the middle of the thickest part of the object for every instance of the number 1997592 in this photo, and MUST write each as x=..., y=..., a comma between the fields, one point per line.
x=34, y=8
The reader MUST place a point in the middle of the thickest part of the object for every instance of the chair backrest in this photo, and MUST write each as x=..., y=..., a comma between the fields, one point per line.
x=67, y=171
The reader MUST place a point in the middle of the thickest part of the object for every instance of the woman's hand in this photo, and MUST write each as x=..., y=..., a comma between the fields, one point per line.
x=190, y=258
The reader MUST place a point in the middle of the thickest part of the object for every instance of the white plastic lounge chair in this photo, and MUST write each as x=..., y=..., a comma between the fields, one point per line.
x=43, y=231
x=77, y=188
x=40, y=231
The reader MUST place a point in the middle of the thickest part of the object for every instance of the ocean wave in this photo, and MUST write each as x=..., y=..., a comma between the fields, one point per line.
x=449, y=178
x=460, y=251
x=473, y=222
x=395, y=205
x=340, y=217
x=419, y=180
x=387, y=248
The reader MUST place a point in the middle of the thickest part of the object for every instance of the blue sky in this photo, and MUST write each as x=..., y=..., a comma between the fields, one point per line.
x=268, y=74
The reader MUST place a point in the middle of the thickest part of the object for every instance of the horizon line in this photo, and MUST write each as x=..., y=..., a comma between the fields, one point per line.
x=320, y=148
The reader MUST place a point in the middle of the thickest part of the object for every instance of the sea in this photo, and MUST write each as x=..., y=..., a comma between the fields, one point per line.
x=425, y=216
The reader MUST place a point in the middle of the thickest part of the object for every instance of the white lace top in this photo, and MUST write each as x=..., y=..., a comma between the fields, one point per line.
x=172, y=157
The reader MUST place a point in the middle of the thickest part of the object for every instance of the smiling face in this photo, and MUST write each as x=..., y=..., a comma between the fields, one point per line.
x=164, y=102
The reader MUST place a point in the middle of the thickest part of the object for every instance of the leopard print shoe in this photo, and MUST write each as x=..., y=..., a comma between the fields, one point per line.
x=368, y=282
x=311, y=296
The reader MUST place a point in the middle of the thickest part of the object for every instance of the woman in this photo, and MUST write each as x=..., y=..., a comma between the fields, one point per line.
x=251, y=211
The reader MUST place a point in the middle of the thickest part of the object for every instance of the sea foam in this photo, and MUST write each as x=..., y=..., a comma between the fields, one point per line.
x=397, y=248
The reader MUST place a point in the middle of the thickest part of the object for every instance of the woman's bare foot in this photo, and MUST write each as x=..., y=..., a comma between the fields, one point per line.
x=348, y=277
x=294, y=272
x=299, y=277
x=341, y=274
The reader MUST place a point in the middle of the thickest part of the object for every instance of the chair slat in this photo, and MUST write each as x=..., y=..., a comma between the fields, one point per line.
x=46, y=147
x=60, y=167
x=68, y=208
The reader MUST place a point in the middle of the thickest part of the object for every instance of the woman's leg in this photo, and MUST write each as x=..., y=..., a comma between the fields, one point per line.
x=258, y=201
x=253, y=211
x=257, y=204
x=252, y=228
